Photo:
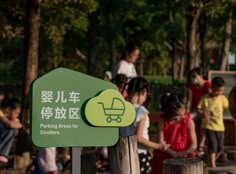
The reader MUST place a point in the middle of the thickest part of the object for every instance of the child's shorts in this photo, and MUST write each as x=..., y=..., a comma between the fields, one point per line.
x=215, y=140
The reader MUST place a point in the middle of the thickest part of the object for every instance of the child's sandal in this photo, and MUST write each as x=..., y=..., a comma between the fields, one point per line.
x=201, y=151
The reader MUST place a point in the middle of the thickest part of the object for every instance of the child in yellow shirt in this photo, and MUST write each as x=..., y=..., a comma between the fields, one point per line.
x=212, y=106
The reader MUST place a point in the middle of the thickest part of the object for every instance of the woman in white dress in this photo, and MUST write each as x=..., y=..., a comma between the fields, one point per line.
x=129, y=57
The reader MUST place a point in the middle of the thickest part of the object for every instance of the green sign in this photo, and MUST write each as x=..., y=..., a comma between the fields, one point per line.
x=60, y=100
x=111, y=110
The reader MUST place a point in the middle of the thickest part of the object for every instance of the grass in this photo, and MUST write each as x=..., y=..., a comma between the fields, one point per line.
x=164, y=80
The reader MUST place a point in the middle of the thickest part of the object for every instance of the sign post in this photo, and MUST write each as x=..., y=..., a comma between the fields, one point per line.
x=76, y=160
x=71, y=109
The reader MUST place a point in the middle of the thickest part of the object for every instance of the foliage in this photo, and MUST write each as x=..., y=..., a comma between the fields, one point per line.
x=64, y=32
x=61, y=19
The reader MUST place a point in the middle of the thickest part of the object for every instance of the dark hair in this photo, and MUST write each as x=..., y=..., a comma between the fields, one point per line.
x=137, y=84
x=217, y=82
x=197, y=70
x=129, y=48
x=13, y=103
x=120, y=79
x=169, y=103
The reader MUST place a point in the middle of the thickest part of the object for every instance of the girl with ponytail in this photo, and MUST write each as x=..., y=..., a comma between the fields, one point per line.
x=176, y=128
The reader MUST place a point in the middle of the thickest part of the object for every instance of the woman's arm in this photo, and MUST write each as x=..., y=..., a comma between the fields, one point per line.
x=193, y=140
x=142, y=140
x=189, y=100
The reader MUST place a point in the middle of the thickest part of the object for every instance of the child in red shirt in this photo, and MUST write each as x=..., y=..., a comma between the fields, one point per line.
x=176, y=128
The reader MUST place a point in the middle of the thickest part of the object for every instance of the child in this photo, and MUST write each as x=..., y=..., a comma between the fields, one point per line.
x=108, y=76
x=9, y=123
x=123, y=157
x=45, y=162
x=198, y=87
x=138, y=92
x=176, y=128
x=211, y=106
x=121, y=81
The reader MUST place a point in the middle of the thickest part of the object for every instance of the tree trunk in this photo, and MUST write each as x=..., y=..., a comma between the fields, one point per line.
x=174, y=64
x=32, y=24
x=112, y=51
x=203, y=30
x=92, y=43
x=149, y=71
x=111, y=37
x=192, y=16
x=141, y=67
x=31, y=32
x=181, y=72
x=183, y=166
x=227, y=40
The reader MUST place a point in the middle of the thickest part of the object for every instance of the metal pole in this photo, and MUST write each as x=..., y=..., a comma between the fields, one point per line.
x=76, y=160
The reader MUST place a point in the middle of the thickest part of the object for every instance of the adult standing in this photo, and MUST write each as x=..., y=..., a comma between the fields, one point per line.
x=129, y=57
x=198, y=87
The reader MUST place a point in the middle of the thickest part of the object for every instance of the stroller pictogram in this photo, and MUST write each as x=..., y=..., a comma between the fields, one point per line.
x=115, y=112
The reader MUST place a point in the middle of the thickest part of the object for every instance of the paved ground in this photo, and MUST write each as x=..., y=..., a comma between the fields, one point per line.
x=224, y=168
x=228, y=167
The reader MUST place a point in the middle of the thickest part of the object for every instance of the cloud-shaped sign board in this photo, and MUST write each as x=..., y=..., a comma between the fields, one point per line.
x=109, y=109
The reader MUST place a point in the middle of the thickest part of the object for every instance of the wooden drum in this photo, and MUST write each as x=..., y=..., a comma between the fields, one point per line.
x=183, y=166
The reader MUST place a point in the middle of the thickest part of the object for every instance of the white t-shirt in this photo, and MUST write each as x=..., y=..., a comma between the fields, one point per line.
x=126, y=68
x=47, y=159
x=141, y=112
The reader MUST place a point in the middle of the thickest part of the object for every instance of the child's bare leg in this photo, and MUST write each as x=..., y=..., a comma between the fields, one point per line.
x=202, y=143
x=213, y=160
x=203, y=138
x=218, y=155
